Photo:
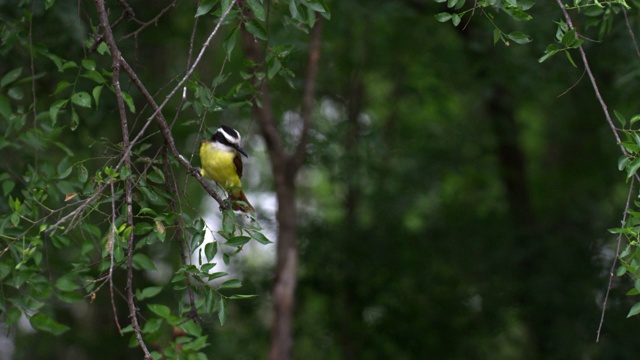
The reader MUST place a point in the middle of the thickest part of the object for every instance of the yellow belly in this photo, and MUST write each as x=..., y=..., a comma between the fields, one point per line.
x=218, y=166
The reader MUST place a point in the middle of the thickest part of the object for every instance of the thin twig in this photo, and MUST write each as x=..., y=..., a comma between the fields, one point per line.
x=615, y=259
x=33, y=92
x=633, y=36
x=195, y=63
x=116, y=64
x=587, y=68
x=150, y=22
x=574, y=85
x=170, y=182
x=111, y=243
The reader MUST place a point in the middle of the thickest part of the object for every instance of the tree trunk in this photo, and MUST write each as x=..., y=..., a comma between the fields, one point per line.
x=285, y=283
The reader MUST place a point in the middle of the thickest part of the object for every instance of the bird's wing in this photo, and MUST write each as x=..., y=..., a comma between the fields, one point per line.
x=237, y=161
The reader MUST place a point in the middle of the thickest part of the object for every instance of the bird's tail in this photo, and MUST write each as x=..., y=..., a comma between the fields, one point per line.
x=239, y=201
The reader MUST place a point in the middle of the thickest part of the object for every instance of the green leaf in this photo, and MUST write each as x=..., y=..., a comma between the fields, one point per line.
x=525, y=4
x=5, y=108
x=230, y=284
x=129, y=101
x=443, y=17
x=94, y=76
x=622, y=162
x=156, y=176
x=568, y=38
x=96, y=94
x=143, y=262
x=455, y=19
x=240, y=296
x=10, y=77
x=81, y=98
x=274, y=68
x=258, y=9
x=75, y=120
x=148, y=292
x=216, y=275
x=16, y=93
x=69, y=297
x=315, y=6
x=635, y=310
x=256, y=29
x=222, y=311
x=83, y=174
x=519, y=37
x=54, y=109
x=13, y=315
x=66, y=284
x=238, y=241
x=570, y=59
x=518, y=15
x=210, y=250
x=64, y=168
x=88, y=64
x=230, y=41
x=152, y=326
x=195, y=345
x=259, y=237
x=7, y=187
x=42, y=322
x=191, y=328
x=48, y=4
x=633, y=167
x=103, y=48
x=620, y=118
x=61, y=86
x=205, y=7
x=197, y=239
x=634, y=119
x=160, y=310
x=451, y=3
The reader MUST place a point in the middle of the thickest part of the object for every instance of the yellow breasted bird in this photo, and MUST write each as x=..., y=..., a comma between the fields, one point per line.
x=222, y=163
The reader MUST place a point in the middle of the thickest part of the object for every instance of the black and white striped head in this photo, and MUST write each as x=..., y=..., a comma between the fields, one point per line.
x=228, y=138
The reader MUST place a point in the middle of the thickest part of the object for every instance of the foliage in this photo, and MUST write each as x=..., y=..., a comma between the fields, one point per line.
x=89, y=214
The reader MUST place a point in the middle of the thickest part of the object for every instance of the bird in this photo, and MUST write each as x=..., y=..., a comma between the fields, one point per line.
x=222, y=162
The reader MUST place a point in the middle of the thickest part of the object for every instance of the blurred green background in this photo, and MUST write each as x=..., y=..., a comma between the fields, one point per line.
x=455, y=201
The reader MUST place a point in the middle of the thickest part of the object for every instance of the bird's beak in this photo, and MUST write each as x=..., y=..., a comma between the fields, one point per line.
x=241, y=150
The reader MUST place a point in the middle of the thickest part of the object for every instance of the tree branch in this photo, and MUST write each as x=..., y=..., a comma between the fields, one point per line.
x=308, y=96
x=263, y=110
x=116, y=57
